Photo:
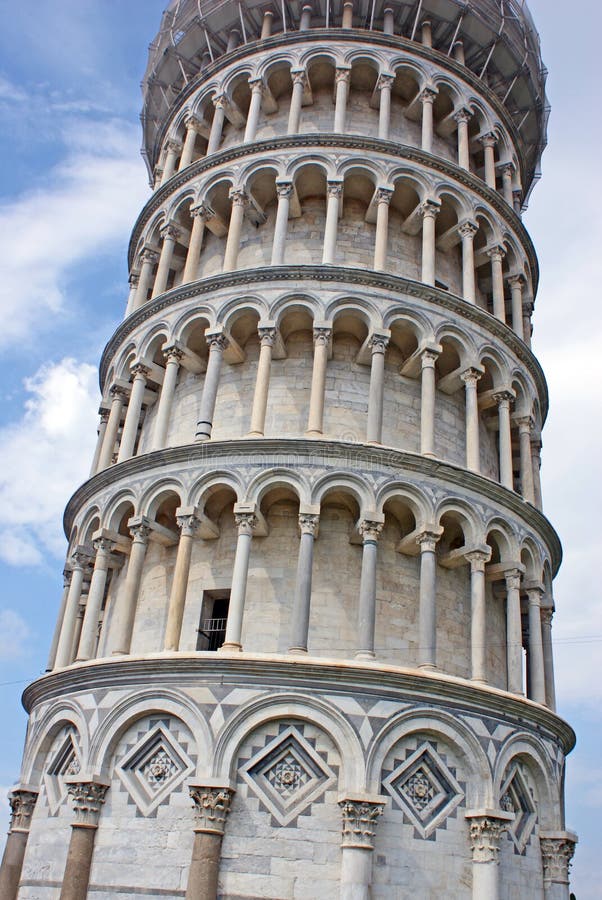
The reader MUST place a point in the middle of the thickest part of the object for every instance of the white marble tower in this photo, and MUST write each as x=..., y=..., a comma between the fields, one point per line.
x=304, y=647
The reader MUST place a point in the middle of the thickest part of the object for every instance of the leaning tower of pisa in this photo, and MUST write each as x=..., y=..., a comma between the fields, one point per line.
x=304, y=645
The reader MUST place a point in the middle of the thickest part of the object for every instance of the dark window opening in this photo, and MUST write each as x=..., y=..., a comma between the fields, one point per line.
x=214, y=615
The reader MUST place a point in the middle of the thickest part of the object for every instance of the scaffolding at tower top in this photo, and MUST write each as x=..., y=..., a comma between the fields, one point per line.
x=501, y=47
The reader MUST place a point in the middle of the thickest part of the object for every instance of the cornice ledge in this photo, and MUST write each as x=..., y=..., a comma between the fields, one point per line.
x=332, y=35
x=349, y=141
x=299, y=673
x=307, y=448
x=332, y=274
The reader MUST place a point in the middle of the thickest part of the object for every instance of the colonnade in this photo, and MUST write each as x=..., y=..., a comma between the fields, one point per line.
x=422, y=364
x=154, y=264
x=212, y=803
x=110, y=549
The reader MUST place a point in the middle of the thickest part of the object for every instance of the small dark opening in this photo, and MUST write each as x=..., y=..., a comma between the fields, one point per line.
x=214, y=615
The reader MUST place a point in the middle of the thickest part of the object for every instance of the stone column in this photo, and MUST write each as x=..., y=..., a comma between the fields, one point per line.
x=133, y=280
x=105, y=458
x=59, y=621
x=335, y=192
x=169, y=167
x=384, y=86
x=308, y=525
x=246, y=523
x=305, y=21
x=170, y=234
x=516, y=283
x=507, y=173
x=360, y=818
x=132, y=416
x=430, y=210
x=173, y=356
x=378, y=345
x=470, y=378
x=486, y=829
x=536, y=457
x=427, y=612
x=102, y=429
x=211, y=808
x=383, y=199
x=370, y=532
x=557, y=849
x=217, y=125
x=514, y=633
x=347, y=21
x=427, y=402
x=266, y=25
x=88, y=798
x=79, y=561
x=256, y=85
x=503, y=398
x=537, y=678
x=315, y=421
x=299, y=79
x=125, y=613
x=267, y=338
x=463, y=117
x=489, y=141
x=517, y=200
x=217, y=344
x=342, y=77
x=547, y=614
x=239, y=203
x=388, y=21
x=189, y=524
x=467, y=232
x=285, y=192
x=199, y=214
x=89, y=635
x=427, y=98
x=192, y=129
x=478, y=614
x=496, y=255
x=526, y=463
x=148, y=260
x=22, y=802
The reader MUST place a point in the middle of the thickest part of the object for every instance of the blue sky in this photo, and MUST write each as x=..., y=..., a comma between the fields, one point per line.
x=71, y=184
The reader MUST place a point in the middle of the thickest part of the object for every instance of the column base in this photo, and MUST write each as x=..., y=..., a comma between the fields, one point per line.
x=479, y=680
x=297, y=651
x=255, y=434
x=314, y=434
x=230, y=648
x=365, y=654
x=429, y=455
x=427, y=667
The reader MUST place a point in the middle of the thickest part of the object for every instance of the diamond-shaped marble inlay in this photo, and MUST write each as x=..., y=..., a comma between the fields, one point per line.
x=425, y=788
x=153, y=768
x=65, y=761
x=516, y=798
x=288, y=775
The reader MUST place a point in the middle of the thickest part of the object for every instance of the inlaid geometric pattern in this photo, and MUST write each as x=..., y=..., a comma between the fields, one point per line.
x=64, y=761
x=287, y=775
x=425, y=788
x=153, y=768
x=516, y=797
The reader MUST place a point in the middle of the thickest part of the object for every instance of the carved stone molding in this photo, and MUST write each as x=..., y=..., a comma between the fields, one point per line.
x=88, y=798
x=360, y=817
x=22, y=802
x=557, y=851
x=211, y=807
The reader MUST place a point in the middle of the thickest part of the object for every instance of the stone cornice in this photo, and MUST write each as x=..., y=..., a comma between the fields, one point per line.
x=346, y=141
x=245, y=278
x=330, y=36
x=307, y=674
x=301, y=448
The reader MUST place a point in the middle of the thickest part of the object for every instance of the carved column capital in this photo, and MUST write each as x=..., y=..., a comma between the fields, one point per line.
x=496, y=254
x=103, y=545
x=188, y=524
x=427, y=539
x=211, y=807
x=217, y=341
x=463, y=115
x=488, y=140
x=486, y=830
x=470, y=376
x=428, y=95
x=267, y=335
x=285, y=189
x=385, y=81
x=360, y=817
x=383, y=195
x=557, y=851
x=22, y=802
x=322, y=336
x=378, y=343
x=80, y=558
x=370, y=530
x=246, y=522
x=513, y=578
x=335, y=189
x=308, y=523
x=478, y=559
x=428, y=358
x=342, y=74
x=149, y=255
x=547, y=614
x=87, y=798
x=299, y=76
x=256, y=85
x=170, y=232
x=173, y=145
x=173, y=352
x=467, y=228
x=139, y=368
x=503, y=397
x=193, y=123
x=203, y=211
x=239, y=197
x=429, y=209
x=140, y=531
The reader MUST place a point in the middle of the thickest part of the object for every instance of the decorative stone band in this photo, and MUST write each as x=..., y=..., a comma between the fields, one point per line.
x=486, y=828
x=360, y=817
x=211, y=807
x=557, y=849
x=88, y=797
x=22, y=802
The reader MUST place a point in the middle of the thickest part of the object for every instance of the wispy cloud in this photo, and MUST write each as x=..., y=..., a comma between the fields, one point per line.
x=57, y=428
x=14, y=634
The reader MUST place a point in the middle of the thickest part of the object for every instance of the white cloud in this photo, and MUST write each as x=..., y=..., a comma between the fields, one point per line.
x=14, y=634
x=88, y=207
x=43, y=457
